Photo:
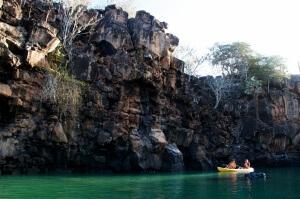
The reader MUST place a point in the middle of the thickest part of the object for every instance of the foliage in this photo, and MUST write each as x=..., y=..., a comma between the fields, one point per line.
x=61, y=88
x=139, y=54
x=269, y=69
x=64, y=91
x=220, y=86
x=240, y=61
x=253, y=86
x=232, y=58
x=57, y=57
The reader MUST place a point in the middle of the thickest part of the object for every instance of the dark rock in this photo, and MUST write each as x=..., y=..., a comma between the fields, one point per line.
x=8, y=58
x=150, y=33
x=177, y=64
x=112, y=33
x=139, y=111
x=184, y=137
x=254, y=175
x=58, y=134
x=11, y=11
x=248, y=128
x=42, y=41
x=104, y=138
x=85, y=68
x=172, y=159
x=157, y=138
x=5, y=90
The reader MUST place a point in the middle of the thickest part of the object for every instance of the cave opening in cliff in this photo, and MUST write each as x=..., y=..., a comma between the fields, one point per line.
x=6, y=116
x=105, y=48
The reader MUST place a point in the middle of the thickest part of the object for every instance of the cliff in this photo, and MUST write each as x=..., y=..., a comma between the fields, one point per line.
x=139, y=113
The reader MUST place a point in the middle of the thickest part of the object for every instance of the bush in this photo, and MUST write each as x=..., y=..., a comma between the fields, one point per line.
x=62, y=89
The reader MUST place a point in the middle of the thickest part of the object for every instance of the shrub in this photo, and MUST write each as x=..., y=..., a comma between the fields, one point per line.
x=62, y=89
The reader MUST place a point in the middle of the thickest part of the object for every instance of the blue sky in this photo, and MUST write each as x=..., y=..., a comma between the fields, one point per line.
x=271, y=27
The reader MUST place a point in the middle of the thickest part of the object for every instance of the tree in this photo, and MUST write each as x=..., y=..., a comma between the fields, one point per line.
x=74, y=22
x=269, y=70
x=253, y=87
x=192, y=62
x=240, y=61
x=232, y=58
x=61, y=88
x=220, y=86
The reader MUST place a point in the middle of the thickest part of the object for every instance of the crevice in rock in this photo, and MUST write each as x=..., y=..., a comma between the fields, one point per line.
x=105, y=48
x=6, y=115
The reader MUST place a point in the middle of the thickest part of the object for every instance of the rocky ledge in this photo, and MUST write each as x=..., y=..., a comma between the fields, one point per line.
x=140, y=113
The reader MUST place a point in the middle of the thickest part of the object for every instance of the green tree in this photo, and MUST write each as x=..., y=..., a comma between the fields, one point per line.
x=239, y=61
x=269, y=70
x=232, y=58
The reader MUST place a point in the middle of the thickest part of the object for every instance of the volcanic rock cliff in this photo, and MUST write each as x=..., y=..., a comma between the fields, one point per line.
x=140, y=112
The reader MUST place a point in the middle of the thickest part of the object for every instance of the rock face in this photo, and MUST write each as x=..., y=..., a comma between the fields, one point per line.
x=140, y=113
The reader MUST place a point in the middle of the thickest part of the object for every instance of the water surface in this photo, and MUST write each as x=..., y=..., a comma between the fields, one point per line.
x=280, y=183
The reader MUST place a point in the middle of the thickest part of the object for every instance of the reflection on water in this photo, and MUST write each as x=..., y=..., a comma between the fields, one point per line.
x=184, y=185
x=231, y=178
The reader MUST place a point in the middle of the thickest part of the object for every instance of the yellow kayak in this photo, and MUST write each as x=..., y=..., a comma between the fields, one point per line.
x=221, y=169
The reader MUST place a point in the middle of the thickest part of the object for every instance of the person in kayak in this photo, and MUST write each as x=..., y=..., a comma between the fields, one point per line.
x=231, y=165
x=247, y=164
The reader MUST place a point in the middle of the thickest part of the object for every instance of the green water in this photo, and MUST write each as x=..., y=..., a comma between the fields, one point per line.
x=280, y=183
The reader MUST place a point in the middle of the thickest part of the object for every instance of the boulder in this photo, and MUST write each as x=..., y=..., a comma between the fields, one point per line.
x=58, y=134
x=85, y=67
x=136, y=142
x=172, y=159
x=296, y=140
x=184, y=137
x=5, y=90
x=104, y=138
x=8, y=147
x=11, y=11
x=13, y=37
x=158, y=140
x=149, y=34
x=8, y=58
x=255, y=175
x=41, y=42
x=177, y=64
x=112, y=29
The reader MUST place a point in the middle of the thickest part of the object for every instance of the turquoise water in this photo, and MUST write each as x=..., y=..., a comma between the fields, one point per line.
x=280, y=183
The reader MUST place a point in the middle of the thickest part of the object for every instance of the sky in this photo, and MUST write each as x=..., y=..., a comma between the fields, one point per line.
x=271, y=27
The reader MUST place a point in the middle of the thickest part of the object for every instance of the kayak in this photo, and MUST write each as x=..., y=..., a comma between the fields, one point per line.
x=221, y=169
